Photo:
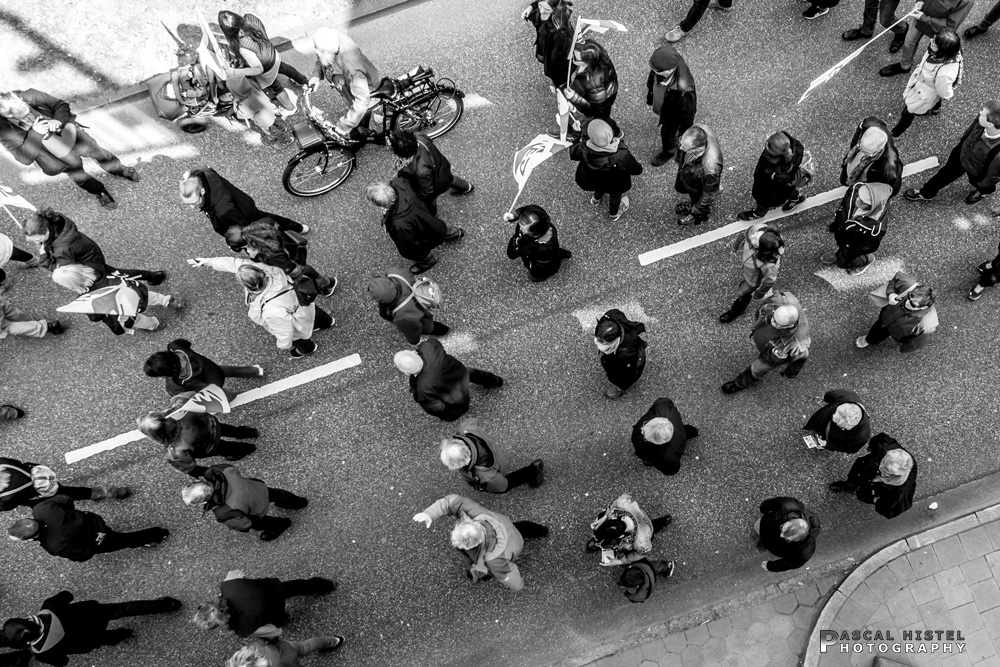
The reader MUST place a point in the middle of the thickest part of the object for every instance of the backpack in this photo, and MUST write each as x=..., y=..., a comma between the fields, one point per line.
x=424, y=291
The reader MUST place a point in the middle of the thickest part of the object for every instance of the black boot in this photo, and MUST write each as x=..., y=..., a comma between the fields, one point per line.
x=741, y=382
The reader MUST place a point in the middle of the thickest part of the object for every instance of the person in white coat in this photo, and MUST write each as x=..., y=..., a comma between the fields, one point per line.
x=933, y=81
x=273, y=304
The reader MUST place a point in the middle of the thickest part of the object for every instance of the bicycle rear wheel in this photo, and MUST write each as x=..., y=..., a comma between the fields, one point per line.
x=318, y=172
x=435, y=116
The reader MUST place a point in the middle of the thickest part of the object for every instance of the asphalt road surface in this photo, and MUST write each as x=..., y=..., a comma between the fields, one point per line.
x=366, y=456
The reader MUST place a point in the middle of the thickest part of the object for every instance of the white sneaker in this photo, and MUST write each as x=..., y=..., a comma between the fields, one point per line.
x=260, y=370
x=675, y=35
x=860, y=343
x=305, y=229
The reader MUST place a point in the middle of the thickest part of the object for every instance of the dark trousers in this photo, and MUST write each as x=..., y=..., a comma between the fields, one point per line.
x=847, y=259
x=741, y=303
x=614, y=201
x=458, y=186
x=86, y=146
x=877, y=333
x=141, y=274
x=530, y=529
x=285, y=499
x=991, y=276
x=672, y=126
x=323, y=320
x=826, y=4
x=906, y=119
x=697, y=10
x=230, y=447
x=519, y=477
x=115, y=541
x=950, y=171
x=16, y=255
x=74, y=492
x=296, y=587
x=484, y=378
x=661, y=523
x=883, y=11
x=239, y=371
x=114, y=610
x=991, y=17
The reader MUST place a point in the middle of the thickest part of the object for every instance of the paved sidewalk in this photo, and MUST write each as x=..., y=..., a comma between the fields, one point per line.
x=947, y=578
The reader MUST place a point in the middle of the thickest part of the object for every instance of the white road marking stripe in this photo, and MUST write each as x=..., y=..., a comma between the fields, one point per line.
x=242, y=399
x=734, y=228
x=476, y=101
x=878, y=273
x=587, y=317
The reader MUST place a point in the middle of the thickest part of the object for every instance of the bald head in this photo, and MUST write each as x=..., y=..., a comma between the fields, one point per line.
x=408, y=362
x=785, y=317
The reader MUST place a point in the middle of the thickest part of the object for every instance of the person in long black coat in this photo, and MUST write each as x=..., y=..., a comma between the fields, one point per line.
x=426, y=168
x=886, y=477
x=439, y=382
x=776, y=177
x=64, y=627
x=17, y=488
x=670, y=91
x=606, y=166
x=843, y=424
x=536, y=242
x=186, y=370
x=872, y=157
x=554, y=22
x=660, y=437
x=859, y=226
x=788, y=530
x=623, y=352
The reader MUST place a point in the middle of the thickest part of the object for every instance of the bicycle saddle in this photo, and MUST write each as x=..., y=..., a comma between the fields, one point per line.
x=386, y=88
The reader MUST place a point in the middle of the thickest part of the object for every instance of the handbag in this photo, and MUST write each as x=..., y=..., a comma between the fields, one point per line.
x=807, y=170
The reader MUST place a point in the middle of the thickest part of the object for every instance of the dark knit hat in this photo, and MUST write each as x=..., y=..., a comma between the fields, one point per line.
x=382, y=289
x=664, y=58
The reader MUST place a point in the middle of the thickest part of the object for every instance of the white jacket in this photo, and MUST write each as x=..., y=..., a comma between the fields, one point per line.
x=930, y=83
x=276, y=307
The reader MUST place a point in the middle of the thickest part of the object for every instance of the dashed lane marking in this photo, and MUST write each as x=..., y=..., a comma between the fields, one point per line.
x=734, y=228
x=242, y=399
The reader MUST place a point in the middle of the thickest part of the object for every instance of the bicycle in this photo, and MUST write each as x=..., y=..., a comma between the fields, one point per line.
x=413, y=101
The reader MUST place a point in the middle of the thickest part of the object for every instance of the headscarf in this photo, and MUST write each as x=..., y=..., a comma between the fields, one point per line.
x=601, y=137
x=607, y=348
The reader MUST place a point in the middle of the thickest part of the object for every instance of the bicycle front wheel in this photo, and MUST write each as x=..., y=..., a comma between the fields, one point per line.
x=314, y=174
x=435, y=116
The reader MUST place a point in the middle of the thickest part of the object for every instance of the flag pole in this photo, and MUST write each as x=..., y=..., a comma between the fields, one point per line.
x=516, y=197
x=572, y=48
x=16, y=221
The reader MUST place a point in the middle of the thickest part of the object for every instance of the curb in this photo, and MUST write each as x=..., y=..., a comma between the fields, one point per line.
x=881, y=558
x=348, y=17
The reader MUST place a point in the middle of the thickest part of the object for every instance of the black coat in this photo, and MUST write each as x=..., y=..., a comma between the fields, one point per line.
x=411, y=225
x=774, y=179
x=253, y=603
x=66, y=531
x=680, y=99
x=666, y=457
x=594, y=90
x=854, y=233
x=837, y=439
x=442, y=385
x=888, y=168
x=792, y=555
x=204, y=371
x=541, y=256
x=625, y=366
x=428, y=172
x=604, y=172
x=84, y=624
x=889, y=501
x=552, y=45
x=66, y=244
x=225, y=204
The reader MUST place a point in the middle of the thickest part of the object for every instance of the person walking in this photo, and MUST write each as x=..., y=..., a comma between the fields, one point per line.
x=247, y=606
x=426, y=168
x=188, y=436
x=933, y=81
x=931, y=17
x=66, y=532
x=761, y=247
x=536, y=242
x=64, y=627
x=10, y=252
x=593, y=87
x=410, y=224
x=481, y=462
x=694, y=15
x=16, y=322
x=489, y=542
x=622, y=351
x=989, y=275
x=84, y=280
x=439, y=382
x=991, y=17
x=638, y=579
x=27, y=484
x=788, y=530
x=274, y=651
x=670, y=91
x=781, y=335
x=606, y=166
x=907, y=315
x=842, y=424
x=397, y=303
x=240, y=503
x=858, y=227
x=60, y=242
x=660, y=437
x=225, y=205
x=340, y=62
x=37, y=128
x=885, y=477
x=883, y=11
x=976, y=156
x=777, y=177
x=699, y=174
x=267, y=243
x=872, y=157
x=185, y=370
x=553, y=21
x=623, y=533
x=273, y=304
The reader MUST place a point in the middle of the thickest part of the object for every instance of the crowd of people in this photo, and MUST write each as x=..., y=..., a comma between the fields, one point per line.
x=280, y=290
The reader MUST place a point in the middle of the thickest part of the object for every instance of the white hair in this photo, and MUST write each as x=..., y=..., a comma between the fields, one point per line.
x=210, y=616
x=75, y=277
x=381, y=194
x=251, y=655
x=897, y=462
x=327, y=39
x=455, y=454
x=467, y=534
x=408, y=362
x=847, y=415
x=196, y=493
x=794, y=530
x=658, y=430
